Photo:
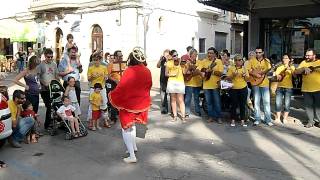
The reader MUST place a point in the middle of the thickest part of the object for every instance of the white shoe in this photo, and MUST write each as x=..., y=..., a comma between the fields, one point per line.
x=99, y=128
x=270, y=124
x=256, y=123
x=130, y=160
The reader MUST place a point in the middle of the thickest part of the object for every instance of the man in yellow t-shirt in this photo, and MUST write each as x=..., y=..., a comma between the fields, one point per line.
x=193, y=86
x=310, y=70
x=98, y=73
x=210, y=86
x=20, y=126
x=258, y=68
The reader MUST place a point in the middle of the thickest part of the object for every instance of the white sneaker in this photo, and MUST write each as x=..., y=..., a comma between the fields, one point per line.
x=130, y=160
x=256, y=123
x=270, y=124
x=99, y=128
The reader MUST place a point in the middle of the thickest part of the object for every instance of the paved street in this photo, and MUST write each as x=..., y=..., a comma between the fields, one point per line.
x=194, y=150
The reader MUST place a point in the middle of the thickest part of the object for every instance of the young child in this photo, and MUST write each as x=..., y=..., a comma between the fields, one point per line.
x=71, y=93
x=96, y=101
x=28, y=112
x=65, y=112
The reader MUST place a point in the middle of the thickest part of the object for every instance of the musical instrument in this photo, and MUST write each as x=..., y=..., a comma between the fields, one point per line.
x=255, y=81
x=208, y=71
x=281, y=75
x=191, y=68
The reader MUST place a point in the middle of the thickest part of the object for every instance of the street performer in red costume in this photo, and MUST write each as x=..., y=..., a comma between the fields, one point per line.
x=132, y=98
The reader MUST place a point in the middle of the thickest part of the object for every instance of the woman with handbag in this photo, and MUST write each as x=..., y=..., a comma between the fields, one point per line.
x=132, y=98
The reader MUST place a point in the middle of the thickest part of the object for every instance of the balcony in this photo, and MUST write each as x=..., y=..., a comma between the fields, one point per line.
x=52, y=5
x=59, y=5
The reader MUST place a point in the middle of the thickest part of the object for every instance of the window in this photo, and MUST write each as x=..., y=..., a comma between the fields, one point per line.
x=202, y=45
x=220, y=41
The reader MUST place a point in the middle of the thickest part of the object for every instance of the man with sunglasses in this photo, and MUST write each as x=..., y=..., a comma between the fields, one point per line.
x=258, y=68
x=310, y=70
x=47, y=71
x=20, y=126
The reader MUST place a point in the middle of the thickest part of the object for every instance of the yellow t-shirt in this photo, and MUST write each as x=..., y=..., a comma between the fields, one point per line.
x=262, y=65
x=310, y=82
x=14, y=110
x=195, y=81
x=238, y=81
x=212, y=83
x=102, y=71
x=172, y=69
x=96, y=101
x=287, y=80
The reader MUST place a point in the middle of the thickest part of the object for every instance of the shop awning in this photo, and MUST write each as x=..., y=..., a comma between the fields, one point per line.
x=237, y=6
x=18, y=31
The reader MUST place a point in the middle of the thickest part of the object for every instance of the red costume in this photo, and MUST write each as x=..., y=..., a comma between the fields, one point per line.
x=132, y=96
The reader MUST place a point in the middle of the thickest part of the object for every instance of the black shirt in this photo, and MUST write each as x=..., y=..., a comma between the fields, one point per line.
x=163, y=78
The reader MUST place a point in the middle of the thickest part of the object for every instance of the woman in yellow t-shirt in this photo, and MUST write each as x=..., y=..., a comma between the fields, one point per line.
x=176, y=86
x=239, y=75
x=284, y=76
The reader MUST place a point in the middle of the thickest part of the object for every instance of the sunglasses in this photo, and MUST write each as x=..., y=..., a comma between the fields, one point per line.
x=259, y=52
x=49, y=57
x=176, y=55
x=238, y=59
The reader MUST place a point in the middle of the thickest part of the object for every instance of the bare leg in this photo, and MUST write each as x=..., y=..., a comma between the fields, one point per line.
x=181, y=106
x=278, y=115
x=285, y=117
x=174, y=105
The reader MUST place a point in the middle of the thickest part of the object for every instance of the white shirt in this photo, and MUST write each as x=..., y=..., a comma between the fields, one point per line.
x=66, y=111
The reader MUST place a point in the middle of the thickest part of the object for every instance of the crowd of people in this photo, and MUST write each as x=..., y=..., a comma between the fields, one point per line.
x=183, y=79
x=244, y=81
x=104, y=76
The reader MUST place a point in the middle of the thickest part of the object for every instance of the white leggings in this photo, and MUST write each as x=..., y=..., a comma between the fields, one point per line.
x=129, y=138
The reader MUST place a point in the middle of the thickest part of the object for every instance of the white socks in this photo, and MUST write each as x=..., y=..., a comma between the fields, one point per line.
x=134, y=134
x=129, y=139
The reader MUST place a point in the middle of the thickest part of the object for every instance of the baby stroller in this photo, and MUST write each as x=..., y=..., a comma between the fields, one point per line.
x=56, y=93
x=113, y=112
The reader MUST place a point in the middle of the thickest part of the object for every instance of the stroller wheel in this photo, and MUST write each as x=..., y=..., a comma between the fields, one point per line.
x=84, y=132
x=68, y=136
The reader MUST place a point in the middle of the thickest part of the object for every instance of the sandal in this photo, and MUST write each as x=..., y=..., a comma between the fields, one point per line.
x=107, y=125
x=2, y=165
x=75, y=135
x=174, y=119
x=79, y=134
x=183, y=120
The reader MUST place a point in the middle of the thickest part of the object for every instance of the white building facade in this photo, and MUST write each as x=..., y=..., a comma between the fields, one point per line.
x=113, y=25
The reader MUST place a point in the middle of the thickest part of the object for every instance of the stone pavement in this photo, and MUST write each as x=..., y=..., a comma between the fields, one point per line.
x=172, y=151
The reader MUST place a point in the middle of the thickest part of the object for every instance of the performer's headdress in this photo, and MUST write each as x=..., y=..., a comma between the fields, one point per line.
x=138, y=55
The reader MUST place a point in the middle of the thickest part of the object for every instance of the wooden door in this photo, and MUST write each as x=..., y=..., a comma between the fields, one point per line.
x=97, y=38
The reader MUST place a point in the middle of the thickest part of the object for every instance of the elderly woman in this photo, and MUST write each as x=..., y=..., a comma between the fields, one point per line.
x=132, y=98
x=238, y=75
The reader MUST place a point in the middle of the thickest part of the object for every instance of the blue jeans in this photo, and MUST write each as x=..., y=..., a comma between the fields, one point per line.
x=280, y=93
x=187, y=99
x=22, y=128
x=213, y=102
x=20, y=65
x=264, y=94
